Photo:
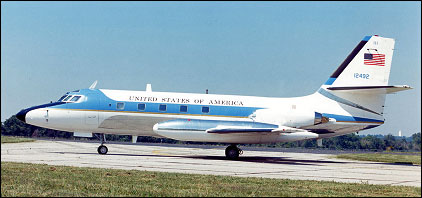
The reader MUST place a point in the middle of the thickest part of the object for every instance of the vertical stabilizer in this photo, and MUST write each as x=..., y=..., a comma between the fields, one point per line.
x=368, y=64
x=360, y=83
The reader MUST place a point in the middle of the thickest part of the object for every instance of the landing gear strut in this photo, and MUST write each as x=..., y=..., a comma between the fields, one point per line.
x=102, y=149
x=232, y=152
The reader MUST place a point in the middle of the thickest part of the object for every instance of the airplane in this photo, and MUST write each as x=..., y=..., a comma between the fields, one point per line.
x=351, y=100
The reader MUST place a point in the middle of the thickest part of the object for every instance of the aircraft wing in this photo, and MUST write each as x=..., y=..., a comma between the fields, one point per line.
x=230, y=129
x=181, y=128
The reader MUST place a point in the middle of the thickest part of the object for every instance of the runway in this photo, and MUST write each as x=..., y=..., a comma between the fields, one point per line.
x=266, y=164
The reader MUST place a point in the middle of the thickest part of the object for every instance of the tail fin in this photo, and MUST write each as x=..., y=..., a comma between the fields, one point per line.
x=361, y=81
x=367, y=65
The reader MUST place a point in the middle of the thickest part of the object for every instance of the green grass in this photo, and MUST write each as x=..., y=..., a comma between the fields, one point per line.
x=13, y=139
x=383, y=157
x=21, y=179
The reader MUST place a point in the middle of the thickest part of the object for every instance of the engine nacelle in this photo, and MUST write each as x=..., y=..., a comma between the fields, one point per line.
x=292, y=118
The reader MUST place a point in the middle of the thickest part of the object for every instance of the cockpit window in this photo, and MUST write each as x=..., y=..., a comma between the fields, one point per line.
x=75, y=98
x=70, y=98
x=67, y=98
x=61, y=98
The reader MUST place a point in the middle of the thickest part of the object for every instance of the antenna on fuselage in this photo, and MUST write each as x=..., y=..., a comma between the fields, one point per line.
x=148, y=88
x=93, y=85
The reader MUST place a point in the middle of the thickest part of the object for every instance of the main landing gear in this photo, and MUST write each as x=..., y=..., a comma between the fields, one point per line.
x=102, y=149
x=232, y=152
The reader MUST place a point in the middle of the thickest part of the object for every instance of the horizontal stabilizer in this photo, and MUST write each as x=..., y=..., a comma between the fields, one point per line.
x=371, y=89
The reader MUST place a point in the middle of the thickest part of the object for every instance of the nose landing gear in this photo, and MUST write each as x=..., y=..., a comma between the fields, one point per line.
x=233, y=152
x=102, y=149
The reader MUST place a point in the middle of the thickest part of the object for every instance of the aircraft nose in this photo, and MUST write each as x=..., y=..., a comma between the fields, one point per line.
x=22, y=114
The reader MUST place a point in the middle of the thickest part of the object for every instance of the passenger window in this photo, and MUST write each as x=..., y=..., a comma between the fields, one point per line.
x=162, y=107
x=205, y=109
x=75, y=98
x=183, y=108
x=120, y=106
x=141, y=107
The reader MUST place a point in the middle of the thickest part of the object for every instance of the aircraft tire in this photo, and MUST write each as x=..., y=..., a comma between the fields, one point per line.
x=102, y=150
x=232, y=152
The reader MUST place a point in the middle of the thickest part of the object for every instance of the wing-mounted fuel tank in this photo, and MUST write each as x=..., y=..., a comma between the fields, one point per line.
x=289, y=117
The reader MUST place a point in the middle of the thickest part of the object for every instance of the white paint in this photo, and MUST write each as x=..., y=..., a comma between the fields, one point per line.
x=82, y=134
x=134, y=138
x=148, y=88
x=93, y=85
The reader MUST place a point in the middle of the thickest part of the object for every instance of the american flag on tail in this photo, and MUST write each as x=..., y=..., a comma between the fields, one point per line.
x=374, y=59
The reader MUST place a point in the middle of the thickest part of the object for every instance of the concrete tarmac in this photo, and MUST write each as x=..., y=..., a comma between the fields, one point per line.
x=280, y=165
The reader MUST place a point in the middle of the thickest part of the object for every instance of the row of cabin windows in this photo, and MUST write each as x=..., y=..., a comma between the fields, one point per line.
x=162, y=107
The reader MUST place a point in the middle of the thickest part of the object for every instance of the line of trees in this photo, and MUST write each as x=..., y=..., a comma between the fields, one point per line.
x=367, y=142
x=15, y=127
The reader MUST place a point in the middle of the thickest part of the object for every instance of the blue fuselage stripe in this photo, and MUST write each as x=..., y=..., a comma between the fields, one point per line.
x=341, y=118
x=98, y=101
x=107, y=104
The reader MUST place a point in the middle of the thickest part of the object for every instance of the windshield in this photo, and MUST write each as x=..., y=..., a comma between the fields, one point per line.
x=67, y=98
x=70, y=98
x=75, y=98
x=61, y=98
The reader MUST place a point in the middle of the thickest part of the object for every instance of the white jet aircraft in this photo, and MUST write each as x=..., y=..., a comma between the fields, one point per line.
x=351, y=100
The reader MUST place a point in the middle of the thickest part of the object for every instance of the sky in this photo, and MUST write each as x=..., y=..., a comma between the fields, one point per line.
x=271, y=49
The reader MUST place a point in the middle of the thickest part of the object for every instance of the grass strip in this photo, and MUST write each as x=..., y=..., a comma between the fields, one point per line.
x=23, y=179
x=13, y=139
x=383, y=157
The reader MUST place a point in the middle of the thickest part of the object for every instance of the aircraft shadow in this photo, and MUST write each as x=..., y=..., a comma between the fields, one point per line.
x=270, y=160
x=256, y=159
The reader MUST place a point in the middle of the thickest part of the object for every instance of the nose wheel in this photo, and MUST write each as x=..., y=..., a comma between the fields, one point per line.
x=102, y=149
x=233, y=152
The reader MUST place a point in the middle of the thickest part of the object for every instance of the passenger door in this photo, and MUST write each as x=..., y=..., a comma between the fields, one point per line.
x=91, y=112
